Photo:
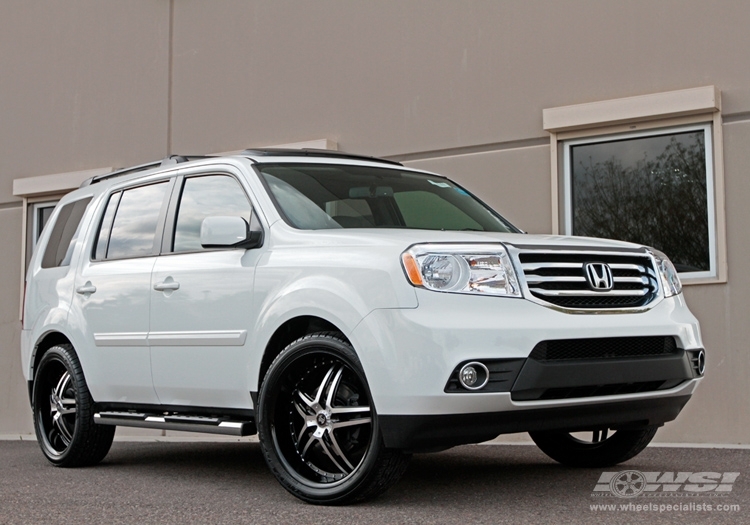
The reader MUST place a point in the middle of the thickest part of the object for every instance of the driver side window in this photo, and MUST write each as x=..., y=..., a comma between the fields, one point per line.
x=207, y=196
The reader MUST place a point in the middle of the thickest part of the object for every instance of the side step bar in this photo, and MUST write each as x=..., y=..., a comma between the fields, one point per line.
x=211, y=425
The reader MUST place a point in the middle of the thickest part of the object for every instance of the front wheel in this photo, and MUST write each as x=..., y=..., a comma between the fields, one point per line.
x=597, y=448
x=318, y=427
x=63, y=412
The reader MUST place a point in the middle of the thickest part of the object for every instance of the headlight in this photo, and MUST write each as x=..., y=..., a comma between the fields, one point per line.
x=670, y=281
x=461, y=269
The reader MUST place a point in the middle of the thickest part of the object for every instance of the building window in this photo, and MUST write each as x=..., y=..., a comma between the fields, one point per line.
x=645, y=169
x=40, y=214
x=653, y=188
x=37, y=212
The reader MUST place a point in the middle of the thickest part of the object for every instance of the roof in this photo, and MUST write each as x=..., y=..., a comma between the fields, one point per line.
x=252, y=154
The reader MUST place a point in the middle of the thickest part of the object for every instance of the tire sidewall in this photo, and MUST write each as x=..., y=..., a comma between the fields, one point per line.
x=56, y=354
x=621, y=446
x=314, y=493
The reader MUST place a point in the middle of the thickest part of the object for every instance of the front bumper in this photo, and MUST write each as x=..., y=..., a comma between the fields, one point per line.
x=436, y=431
x=409, y=354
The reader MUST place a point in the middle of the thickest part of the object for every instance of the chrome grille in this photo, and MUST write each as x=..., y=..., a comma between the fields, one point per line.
x=559, y=278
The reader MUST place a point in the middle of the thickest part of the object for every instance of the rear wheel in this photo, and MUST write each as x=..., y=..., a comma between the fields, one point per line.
x=318, y=427
x=597, y=448
x=63, y=412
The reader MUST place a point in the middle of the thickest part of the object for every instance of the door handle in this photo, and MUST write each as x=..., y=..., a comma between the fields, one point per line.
x=87, y=288
x=167, y=285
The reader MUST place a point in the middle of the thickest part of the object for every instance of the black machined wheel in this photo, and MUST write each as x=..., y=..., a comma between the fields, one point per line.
x=318, y=426
x=63, y=412
x=597, y=448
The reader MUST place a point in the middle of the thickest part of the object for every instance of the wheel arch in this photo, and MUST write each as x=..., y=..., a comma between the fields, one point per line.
x=291, y=330
x=47, y=341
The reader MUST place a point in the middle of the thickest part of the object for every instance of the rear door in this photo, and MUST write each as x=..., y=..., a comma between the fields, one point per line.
x=113, y=292
x=201, y=299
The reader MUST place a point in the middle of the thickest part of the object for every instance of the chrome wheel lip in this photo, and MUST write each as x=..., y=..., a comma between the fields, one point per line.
x=321, y=405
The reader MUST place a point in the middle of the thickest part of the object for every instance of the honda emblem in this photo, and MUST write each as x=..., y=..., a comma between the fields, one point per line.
x=599, y=276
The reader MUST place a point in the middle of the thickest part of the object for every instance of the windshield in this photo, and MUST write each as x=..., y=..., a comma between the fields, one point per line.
x=324, y=196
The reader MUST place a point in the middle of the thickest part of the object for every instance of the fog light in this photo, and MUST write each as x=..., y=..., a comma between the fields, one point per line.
x=701, y=362
x=697, y=361
x=473, y=376
x=469, y=376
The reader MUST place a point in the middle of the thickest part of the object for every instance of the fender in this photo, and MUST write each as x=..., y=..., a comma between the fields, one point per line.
x=50, y=321
x=325, y=296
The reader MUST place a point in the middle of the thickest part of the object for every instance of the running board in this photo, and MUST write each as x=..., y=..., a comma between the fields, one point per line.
x=211, y=425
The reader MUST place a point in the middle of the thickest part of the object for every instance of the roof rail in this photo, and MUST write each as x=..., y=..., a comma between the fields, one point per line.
x=310, y=152
x=166, y=161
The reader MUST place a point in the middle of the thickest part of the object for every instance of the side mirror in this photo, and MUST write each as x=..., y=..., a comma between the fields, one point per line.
x=229, y=232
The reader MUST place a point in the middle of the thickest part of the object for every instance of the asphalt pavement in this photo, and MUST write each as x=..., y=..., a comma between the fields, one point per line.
x=228, y=482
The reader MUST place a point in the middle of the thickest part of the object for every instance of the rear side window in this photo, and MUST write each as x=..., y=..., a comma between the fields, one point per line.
x=64, y=233
x=129, y=224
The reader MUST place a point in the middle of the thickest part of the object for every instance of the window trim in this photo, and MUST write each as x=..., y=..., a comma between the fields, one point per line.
x=35, y=207
x=689, y=107
x=159, y=232
x=170, y=223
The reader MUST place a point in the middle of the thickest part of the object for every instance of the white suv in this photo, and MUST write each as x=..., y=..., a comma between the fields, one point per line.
x=348, y=309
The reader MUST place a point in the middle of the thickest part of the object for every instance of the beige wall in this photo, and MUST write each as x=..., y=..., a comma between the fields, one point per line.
x=83, y=84
x=452, y=86
x=403, y=76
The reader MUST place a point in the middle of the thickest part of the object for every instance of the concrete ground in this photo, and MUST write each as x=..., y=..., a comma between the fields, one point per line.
x=228, y=482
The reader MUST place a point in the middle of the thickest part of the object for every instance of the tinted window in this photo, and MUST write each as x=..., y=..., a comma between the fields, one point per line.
x=100, y=251
x=62, y=238
x=134, y=227
x=209, y=196
x=427, y=211
x=314, y=196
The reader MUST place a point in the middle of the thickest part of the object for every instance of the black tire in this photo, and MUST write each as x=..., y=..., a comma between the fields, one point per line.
x=602, y=450
x=63, y=412
x=318, y=428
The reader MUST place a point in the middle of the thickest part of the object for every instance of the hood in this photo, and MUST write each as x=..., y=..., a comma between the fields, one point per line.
x=404, y=238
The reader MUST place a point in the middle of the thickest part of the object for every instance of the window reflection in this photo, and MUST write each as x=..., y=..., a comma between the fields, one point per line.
x=134, y=227
x=648, y=190
x=209, y=196
x=312, y=197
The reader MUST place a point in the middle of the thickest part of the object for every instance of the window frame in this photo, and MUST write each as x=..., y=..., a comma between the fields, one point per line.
x=650, y=114
x=159, y=232
x=35, y=207
x=170, y=226
x=705, y=127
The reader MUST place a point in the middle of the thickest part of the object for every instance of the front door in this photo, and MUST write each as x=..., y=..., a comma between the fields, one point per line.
x=201, y=302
